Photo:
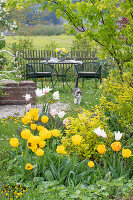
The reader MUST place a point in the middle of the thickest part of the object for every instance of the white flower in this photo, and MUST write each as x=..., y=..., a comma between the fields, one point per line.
x=65, y=121
x=53, y=112
x=118, y=135
x=46, y=90
x=56, y=95
x=100, y=132
x=28, y=106
x=61, y=114
x=39, y=92
x=27, y=97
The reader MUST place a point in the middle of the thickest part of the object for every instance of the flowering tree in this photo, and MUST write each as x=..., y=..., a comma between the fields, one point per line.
x=105, y=23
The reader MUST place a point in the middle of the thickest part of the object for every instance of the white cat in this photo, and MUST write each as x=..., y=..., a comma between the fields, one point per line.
x=77, y=93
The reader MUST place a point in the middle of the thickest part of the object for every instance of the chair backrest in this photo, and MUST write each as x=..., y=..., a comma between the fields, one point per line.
x=90, y=67
x=38, y=67
x=29, y=68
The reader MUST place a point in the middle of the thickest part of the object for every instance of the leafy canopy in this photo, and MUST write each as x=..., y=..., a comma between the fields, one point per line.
x=107, y=23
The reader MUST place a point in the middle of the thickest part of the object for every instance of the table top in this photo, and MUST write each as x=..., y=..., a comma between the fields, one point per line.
x=56, y=61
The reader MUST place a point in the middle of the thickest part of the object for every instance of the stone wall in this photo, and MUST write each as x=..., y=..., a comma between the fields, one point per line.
x=13, y=92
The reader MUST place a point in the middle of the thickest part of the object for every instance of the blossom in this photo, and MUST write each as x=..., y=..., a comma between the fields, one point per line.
x=76, y=139
x=14, y=142
x=91, y=164
x=55, y=132
x=39, y=128
x=56, y=95
x=61, y=114
x=53, y=112
x=28, y=106
x=39, y=92
x=41, y=144
x=25, y=134
x=101, y=149
x=44, y=119
x=34, y=112
x=36, y=118
x=39, y=152
x=126, y=153
x=118, y=135
x=27, y=97
x=45, y=134
x=33, y=142
x=61, y=149
x=26, y=119
x=46, y=90
x=33, y=127
x=100, y=132
x=65, y=121
x=29, y=166
x=116, y=146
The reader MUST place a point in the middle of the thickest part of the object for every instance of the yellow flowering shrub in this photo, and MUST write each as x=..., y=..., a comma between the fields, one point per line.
x=82, y=127
x=117, y=100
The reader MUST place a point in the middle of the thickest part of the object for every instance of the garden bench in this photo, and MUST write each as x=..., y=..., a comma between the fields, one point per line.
x=41, y=70
x=89, y=70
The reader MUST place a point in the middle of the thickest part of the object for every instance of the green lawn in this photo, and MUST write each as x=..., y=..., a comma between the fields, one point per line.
x=40, y=42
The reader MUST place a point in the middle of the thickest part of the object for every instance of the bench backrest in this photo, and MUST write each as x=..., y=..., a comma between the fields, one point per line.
x=89, y=67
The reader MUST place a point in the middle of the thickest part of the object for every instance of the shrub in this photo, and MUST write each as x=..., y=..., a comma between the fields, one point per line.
x=117, y=101
x=84, y=125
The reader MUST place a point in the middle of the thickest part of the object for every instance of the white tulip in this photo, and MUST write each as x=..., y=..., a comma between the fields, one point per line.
x=46, y=90
x=56, y=95
x=27, y=97
x=28, y=106
x=100, y=132
x=61, y=114
x=118, y=135
x=39, y=92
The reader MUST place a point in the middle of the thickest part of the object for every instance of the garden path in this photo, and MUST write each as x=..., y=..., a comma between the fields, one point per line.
x=18, y=110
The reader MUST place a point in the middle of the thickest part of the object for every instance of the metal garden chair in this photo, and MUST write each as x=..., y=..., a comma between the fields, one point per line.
x=89, y=70
x=41, y=70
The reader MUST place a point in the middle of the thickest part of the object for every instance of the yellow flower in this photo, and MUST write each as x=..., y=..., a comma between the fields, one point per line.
x=39, y=152
x=41, y=144
x=76, y=139
x=33, y=127
x=116, y=146
x=36, y=118
x=26, y=119
x=55, y=132
x=29, y=166
x=26, y=134
x=126, y=153
x=56, y=50
x=91, y=164
x=33, y=142
x=61, y=149
x=34, y=112
x=45, y=134
x=39, y=128
x=101, y=149
x=14, y=142
x=44, y=119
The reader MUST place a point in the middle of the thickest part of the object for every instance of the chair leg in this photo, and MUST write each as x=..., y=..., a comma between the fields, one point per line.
x=42, y=84
x=82, y=82
x=96, y=82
